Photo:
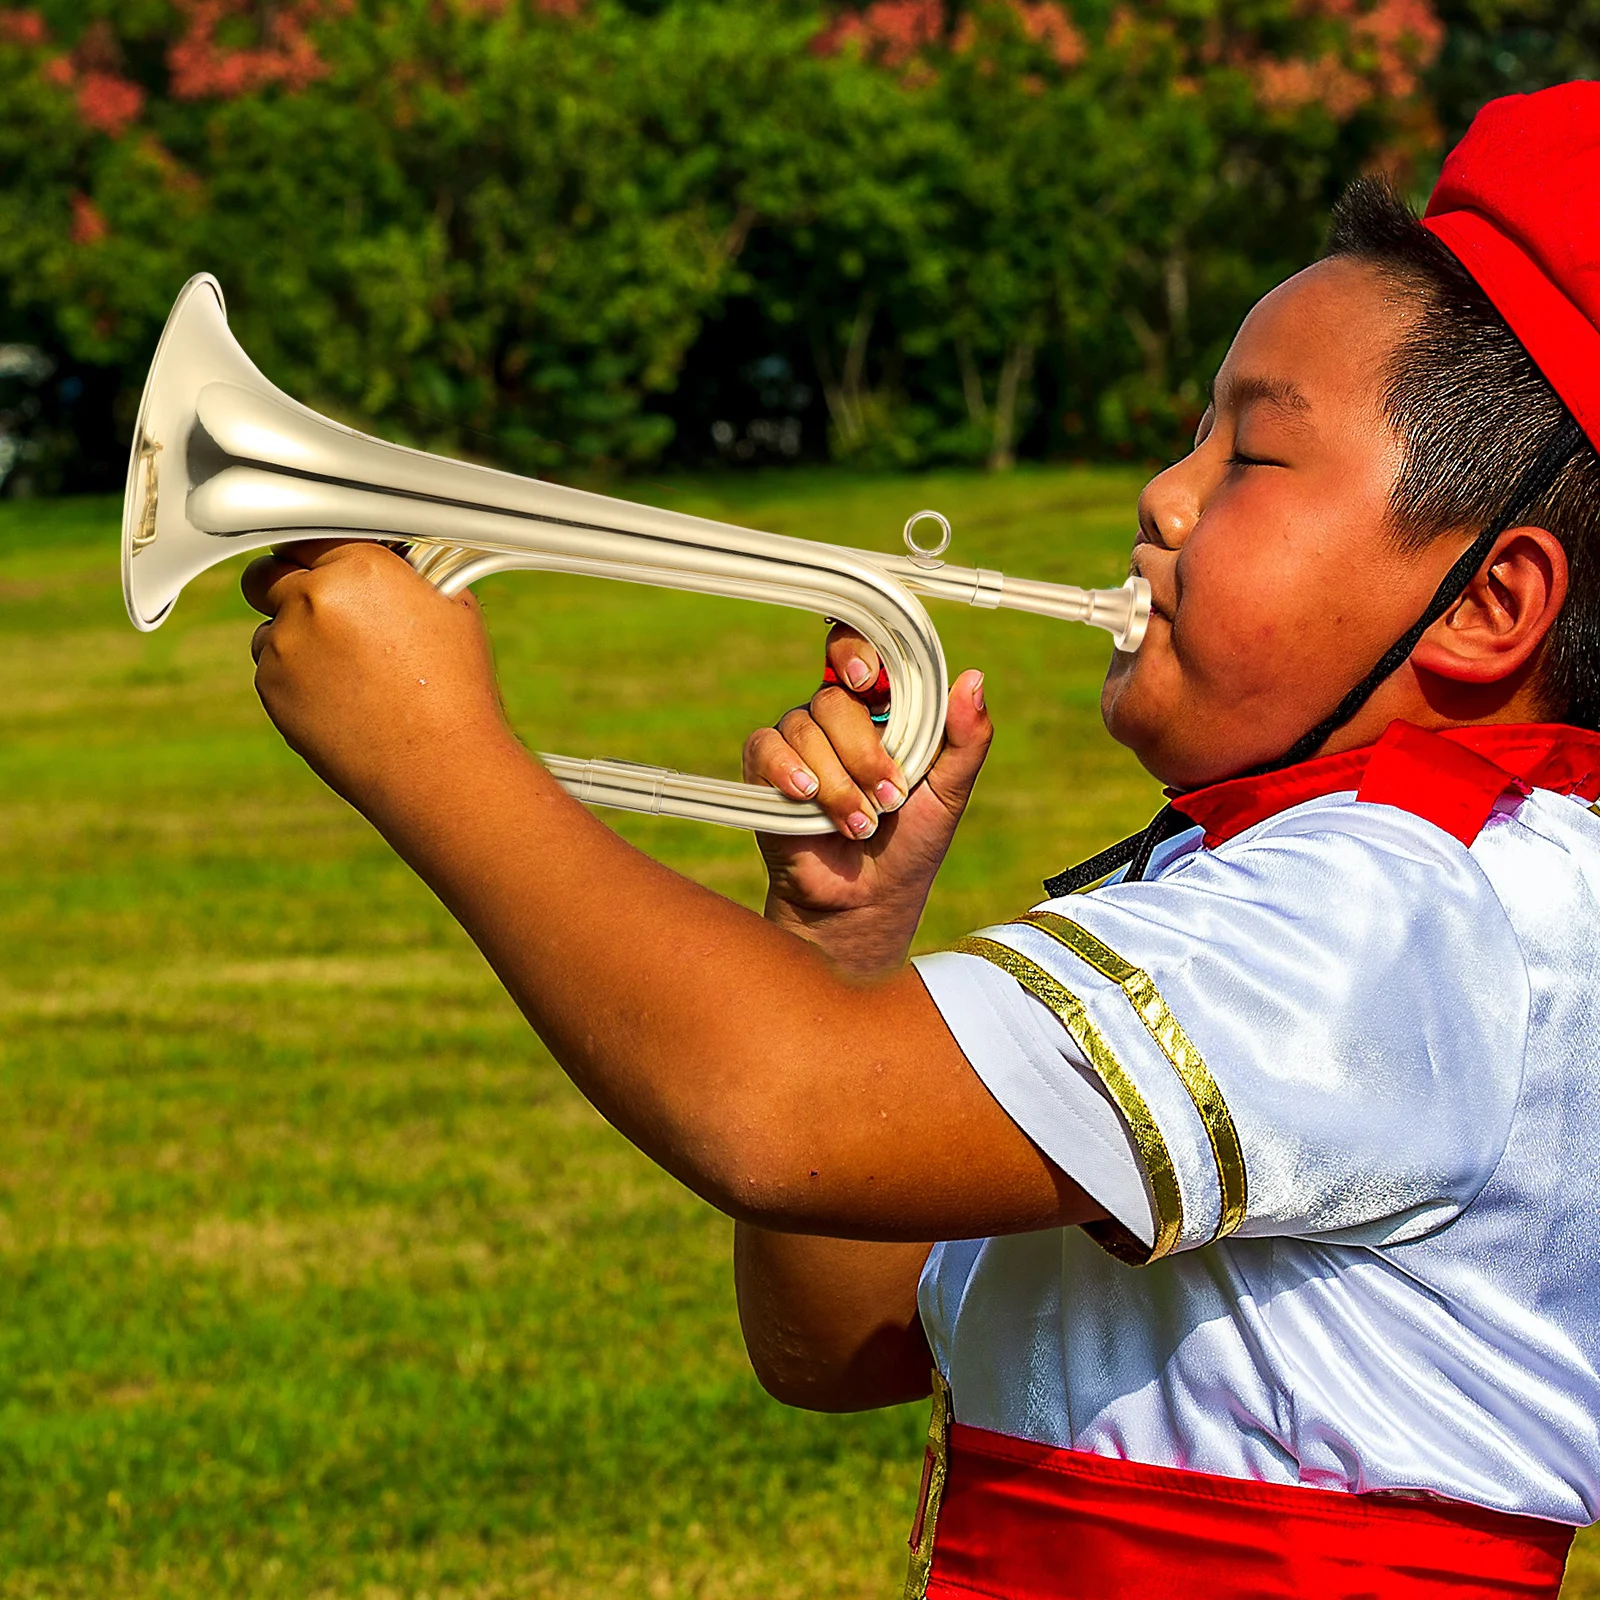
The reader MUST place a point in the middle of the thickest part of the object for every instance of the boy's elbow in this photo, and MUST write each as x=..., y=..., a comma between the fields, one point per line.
x=761, y=1168
x=788, y=1382
x=806, y=1389
x=889, y=1369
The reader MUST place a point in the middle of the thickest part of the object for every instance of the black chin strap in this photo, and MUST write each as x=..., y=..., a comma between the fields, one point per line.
x=1135, y=851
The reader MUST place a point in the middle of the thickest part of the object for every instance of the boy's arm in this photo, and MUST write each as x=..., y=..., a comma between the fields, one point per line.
x=725, y=1048
x=832, y=1324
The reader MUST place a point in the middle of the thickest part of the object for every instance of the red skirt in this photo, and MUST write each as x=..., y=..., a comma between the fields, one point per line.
x=1020, y=1521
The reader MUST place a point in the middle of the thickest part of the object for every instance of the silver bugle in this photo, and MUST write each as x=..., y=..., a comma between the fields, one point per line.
x=224, y=462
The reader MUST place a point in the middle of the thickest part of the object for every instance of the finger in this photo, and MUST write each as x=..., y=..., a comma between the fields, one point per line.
x=769, y=758
x=968, y=733
x=312, y=553
x=850, y=811
x=855, y=663
x=859, y=747
x=268, y=581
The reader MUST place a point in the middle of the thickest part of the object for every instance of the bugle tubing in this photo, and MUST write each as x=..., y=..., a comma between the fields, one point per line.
x=223, y=463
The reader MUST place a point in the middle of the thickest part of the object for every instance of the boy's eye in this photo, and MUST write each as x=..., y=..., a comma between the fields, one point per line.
x=1239, y=459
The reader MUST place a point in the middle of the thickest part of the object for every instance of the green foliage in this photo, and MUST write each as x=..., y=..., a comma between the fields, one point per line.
x=1075, y=219
x=510, y=226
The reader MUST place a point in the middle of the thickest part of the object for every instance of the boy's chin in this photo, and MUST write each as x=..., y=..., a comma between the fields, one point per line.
x=1182, y=750
x=1162, y=739
x=1136, y=720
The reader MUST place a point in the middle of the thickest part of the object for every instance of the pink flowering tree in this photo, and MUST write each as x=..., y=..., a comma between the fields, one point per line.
x=539, y=229
x=426, y=214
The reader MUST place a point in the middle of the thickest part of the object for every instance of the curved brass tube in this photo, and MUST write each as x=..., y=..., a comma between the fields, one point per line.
x=223, y=462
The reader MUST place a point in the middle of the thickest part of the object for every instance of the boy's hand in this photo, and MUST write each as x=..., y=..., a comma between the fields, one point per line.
x=369, y=672
x=866, y=884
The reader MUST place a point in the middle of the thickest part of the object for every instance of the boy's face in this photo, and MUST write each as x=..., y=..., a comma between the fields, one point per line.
x=1277, y=582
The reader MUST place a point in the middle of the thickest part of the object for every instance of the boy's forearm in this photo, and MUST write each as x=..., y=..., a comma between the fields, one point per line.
x=832, y=1324
x=866, y=943
x=725, y=1048
x=608, y=955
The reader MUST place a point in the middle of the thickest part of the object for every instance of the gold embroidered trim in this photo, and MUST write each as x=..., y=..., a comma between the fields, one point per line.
x=1176, y=1046
x=935, y=1469
x=1160, y=1173
x=144, y=535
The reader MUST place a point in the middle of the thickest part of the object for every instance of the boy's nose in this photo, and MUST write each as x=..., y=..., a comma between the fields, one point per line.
x=1169, y=507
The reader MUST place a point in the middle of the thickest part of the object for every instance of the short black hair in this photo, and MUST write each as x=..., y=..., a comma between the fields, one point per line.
x=1472, y=411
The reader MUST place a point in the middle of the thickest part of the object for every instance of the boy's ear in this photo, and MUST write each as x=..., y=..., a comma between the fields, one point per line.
x=1497, y=626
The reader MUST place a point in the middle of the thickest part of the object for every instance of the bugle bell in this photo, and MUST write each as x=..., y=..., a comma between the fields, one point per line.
x=224, y=462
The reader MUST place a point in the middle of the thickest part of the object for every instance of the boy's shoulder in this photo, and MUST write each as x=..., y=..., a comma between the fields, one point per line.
x=1318, y=1023
x=1315, y=1027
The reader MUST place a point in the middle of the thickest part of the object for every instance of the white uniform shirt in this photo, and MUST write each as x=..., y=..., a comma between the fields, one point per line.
x=1341, y=1074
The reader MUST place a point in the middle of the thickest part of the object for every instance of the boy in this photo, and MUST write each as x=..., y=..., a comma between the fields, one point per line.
x=1319, y=1074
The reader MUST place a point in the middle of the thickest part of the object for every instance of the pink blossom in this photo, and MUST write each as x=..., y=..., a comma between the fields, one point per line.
x=109, y=103
x=1401, y=37
x=1390, y=42
x=23, y=27
x=847, y=30
x=1046, y=22
x=88, y=226
x=891, y=31
x=1405, y=36
x=202, y=68
x=1327, y=81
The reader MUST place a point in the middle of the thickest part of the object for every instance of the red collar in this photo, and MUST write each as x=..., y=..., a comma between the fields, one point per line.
x=1451, y=778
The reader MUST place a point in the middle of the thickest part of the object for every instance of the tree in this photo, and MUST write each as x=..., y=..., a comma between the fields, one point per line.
x=1117, y=188
x=536, y=229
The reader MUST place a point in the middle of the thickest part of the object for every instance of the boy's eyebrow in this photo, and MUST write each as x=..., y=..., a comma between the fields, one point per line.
x=1283, y=393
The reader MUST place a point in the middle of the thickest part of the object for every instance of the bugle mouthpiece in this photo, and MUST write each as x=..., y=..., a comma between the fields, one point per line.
x=1124, y=612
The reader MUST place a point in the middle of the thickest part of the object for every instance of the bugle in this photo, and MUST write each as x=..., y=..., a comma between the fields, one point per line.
x=224, y=462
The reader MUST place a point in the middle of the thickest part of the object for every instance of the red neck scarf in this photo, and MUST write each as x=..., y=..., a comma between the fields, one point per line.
x=1451, y=778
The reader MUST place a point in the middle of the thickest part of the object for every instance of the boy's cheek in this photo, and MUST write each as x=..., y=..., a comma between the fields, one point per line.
x=1190, y=705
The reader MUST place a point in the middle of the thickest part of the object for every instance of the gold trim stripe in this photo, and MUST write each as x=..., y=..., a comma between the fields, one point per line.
x=1176, y=1046
x=1160, y=1173
x=935, y=1472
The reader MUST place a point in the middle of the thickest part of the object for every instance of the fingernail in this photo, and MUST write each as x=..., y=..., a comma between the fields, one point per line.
x=856, y=673
x=860, y=824
x=805, y=782
x=889, y=797
x=977, y=692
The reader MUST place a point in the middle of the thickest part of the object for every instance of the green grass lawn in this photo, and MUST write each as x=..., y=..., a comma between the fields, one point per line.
x=317, y=1276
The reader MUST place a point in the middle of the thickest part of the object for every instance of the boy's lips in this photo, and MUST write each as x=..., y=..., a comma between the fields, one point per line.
x=1161, y=604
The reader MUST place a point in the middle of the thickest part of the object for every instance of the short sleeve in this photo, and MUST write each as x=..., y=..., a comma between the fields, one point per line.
x=1316, y=1030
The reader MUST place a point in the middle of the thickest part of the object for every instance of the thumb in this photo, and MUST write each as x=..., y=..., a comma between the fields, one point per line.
x=968, y=733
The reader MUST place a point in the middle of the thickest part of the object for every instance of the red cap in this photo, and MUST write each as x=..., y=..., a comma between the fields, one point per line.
x=1518, y=203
